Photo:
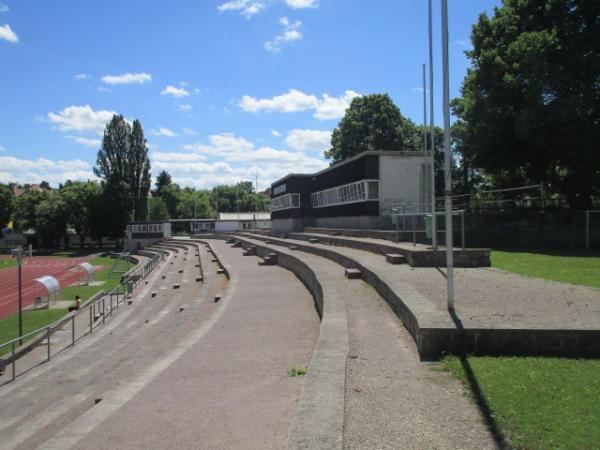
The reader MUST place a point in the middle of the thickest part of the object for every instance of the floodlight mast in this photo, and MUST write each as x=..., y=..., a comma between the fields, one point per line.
x=447, y=162
x=432, y=133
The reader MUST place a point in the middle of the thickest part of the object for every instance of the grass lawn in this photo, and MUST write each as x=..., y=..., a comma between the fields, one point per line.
x=566, y=267
x=7, y=263
x=539, y=403
x=110, y=280
x=32, y=320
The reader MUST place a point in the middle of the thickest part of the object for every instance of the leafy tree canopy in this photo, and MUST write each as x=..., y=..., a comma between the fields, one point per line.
x=6, y=205
x=372, y=122
x=51, y=219
x=162, y=180
x=531, y=101
x=80, y=199
x=24, y=209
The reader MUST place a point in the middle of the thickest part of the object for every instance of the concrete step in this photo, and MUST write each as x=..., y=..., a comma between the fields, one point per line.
x=394, y=258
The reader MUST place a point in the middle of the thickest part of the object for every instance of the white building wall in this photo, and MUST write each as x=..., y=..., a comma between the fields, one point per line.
x=400, y=181
x=224, y=226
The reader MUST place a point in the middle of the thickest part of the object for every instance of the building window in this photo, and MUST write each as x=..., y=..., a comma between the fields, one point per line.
x=359, y=191
x=279, y=189
x=287, y=201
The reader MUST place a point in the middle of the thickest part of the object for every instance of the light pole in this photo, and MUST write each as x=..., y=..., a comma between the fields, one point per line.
x=432, y=132
x=17, y=253
x=447, y=162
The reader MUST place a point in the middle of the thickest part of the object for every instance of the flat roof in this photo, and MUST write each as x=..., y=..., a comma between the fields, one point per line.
x=348, y=160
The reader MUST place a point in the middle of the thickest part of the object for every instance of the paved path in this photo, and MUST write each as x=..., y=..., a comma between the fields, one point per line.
x=230, y=390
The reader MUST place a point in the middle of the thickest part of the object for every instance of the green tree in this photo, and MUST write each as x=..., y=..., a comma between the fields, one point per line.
x=24, y=209
x=171, y=196
x=6, y=205
x=81, y=198
x=531, y=101
x=123, y=161
x=240, y=197
x=372, y=122
x=158, y=209
x=51, y=219
x=162, y=180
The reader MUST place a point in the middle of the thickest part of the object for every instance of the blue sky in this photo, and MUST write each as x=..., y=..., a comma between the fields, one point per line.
x=226, y=90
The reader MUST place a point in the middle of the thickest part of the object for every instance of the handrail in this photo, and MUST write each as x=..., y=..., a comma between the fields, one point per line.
x=139, y=274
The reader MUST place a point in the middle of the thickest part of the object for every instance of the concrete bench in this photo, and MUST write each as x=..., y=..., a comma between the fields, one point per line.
x=180, y=271
x=250, y=251
x=395, y=258
x=198, y=279
x=352, y=274
x=176, y=286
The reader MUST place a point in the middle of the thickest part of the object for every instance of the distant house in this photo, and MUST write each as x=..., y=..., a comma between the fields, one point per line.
x=19, y=190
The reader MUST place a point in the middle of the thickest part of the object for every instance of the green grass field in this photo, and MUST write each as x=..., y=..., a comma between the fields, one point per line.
x=7, y=263
x=566, y=267
x=110, y=280
x=539, y=403
x=32, y=320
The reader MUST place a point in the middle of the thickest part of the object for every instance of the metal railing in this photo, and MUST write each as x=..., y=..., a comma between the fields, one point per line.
x=414, y=215
x=101, y=306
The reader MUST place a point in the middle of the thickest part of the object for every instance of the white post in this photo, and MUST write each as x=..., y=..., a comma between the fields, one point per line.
x=432, y=134
x=447, y=161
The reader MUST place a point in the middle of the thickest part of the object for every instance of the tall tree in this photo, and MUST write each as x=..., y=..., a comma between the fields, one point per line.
x=531, y=101
x=123, y=161
x=109, y=216
x=24, y=209
x=139, y=177
x=51, y=219
x=6, y=205
x=372, y=122
x=157, y=209
x=162, y=180
x=81, y=198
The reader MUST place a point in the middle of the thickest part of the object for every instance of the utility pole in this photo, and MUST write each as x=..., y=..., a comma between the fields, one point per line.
x=432, y=134
x=447, y=162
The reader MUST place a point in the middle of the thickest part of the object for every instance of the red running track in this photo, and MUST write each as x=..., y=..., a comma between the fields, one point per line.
x=59, y=268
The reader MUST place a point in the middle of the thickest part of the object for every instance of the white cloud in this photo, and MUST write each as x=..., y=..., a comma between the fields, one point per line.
x=301, y=4
x=8, y=34
x=174, y=156
x=104, y=89
x=326, y=108
x=81, y=118
x=185, y=107
x=95, y=143
x=334, y=107
x=275, y=133
x=309, y=140
x=81, y=76
x=127, y=78
x=37, y=170
x=189, y=131
x=175, y=92
x=292, y=101
x=289, y=34
x=165, y=132
x=246, y=8
x=4, y=8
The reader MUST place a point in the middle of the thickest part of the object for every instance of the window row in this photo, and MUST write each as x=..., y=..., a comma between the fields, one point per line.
x=155, y=228
x=287, y=201
x=358, y=191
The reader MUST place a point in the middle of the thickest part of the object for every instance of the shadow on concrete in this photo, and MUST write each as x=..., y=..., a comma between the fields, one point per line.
x=476, y=390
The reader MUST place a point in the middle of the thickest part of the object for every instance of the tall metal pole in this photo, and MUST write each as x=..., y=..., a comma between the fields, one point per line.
x=432, y=133
x=447, y=161
x=426, y=190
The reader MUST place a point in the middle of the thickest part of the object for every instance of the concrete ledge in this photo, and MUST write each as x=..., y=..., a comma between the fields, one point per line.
x=437, y=332
x=415, y=258
x=352, y=274
x=394, y=258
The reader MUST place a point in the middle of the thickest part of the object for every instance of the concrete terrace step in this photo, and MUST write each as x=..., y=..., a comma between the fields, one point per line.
x=416, y=256
x=437, y=331
x=136, y=337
